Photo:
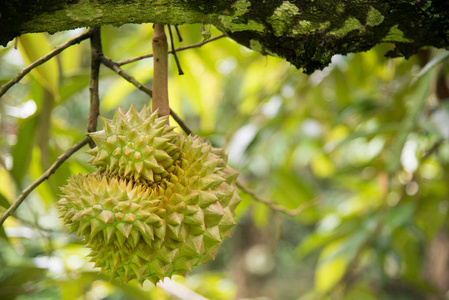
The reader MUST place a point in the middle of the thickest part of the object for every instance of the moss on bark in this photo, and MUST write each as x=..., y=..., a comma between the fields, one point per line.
x=306, y=33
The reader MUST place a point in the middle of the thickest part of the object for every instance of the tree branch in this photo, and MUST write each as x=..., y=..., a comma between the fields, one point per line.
x=305, y=33
x=180, y=122
x=276, y=207
x=4, y=88
x=173, y=50
x=178, y=33
x=116, y=68
x=160, y=71
x=61, y=159
x=95, y=63
x=197, y=45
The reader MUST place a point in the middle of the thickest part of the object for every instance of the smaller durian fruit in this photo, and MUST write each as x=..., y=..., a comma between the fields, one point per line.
x=155, y=215
x=135, y=144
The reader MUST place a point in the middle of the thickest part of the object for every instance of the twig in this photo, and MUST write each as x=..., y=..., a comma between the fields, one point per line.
x=4, y=88
x=116, y=68
x=178, y=65
x=180, y=122
x=96, y=52
x=276, y=207
x=130, y=60
x=178, y=34
x=62, y=158
x=160, y=71
x=432, y=149
x=35, y=225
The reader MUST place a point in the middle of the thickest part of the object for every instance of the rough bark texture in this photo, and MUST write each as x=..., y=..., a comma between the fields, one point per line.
x=305, y=32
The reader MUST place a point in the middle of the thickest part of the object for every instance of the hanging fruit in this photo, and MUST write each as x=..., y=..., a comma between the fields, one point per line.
x=159, y=204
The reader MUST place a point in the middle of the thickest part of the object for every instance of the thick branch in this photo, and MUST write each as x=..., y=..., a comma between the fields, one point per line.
x=160, y=71
x=62, y=158
x=306, y=33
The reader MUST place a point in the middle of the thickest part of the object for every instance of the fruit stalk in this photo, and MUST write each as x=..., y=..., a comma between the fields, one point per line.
x=160, y=71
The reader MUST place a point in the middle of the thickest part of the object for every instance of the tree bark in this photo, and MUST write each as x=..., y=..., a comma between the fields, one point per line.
x=306, y=33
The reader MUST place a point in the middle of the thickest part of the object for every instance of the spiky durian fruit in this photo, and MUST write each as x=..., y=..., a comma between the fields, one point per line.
x=135, y=145
x=160, y=203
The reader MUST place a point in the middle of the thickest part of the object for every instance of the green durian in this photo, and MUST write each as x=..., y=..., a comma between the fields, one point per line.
x=135, y=144
x=159, y=204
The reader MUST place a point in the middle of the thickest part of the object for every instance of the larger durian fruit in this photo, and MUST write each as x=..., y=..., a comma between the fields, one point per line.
x=159, y=204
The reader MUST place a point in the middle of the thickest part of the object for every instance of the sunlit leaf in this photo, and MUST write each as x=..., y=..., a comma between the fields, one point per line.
x=33, y=46
x=36, y=171
x=331, y=267
x=21, y=152
x=261, y=216
x=73, y=84
x=71, y=59
x=8, y=186
x=313, y=242
x=322, y=166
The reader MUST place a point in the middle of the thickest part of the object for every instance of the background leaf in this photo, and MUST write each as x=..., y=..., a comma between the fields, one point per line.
x=32, y=47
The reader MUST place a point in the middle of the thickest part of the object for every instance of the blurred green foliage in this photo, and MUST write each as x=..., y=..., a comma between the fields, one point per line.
x=366, y=138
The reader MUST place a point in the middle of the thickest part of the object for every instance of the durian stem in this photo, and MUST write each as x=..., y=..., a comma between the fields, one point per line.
x=160, y=71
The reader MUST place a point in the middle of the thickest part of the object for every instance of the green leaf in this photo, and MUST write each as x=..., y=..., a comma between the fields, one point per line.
x=21, y=152
x=73, y=84
x=292, y=191
x=322, y=166
x=409, y=122
x=44, y=189
x=60, y=176
x=3, y=234
x=116, y=93
x=18, y=278
x=3, y=201
x=33, y=46
x=331, y=267
x=399, y=216
x=312, y=242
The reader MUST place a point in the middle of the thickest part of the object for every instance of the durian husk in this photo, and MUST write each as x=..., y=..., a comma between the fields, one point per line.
x=159, y=204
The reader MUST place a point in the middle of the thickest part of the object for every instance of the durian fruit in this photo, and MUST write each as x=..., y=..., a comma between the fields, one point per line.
x=159, y=204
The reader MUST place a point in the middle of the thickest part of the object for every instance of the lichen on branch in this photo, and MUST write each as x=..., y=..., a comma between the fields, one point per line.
x=306, y=33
